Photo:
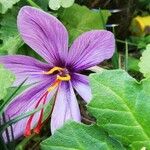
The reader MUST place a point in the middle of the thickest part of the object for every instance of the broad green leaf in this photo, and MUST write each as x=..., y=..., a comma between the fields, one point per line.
x=79, y=19
x=6, y=80
x=56, y=4
x=121, y=106
x=9, y=33
x=6, y=4
x=144, y=62
x=74, y=136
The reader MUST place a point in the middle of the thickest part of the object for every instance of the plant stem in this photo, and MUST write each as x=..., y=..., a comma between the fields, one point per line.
x=126, y=55
x=119, y=59
x=32, y=3
x=129, y=43
x=24, y=142
x=115, y=60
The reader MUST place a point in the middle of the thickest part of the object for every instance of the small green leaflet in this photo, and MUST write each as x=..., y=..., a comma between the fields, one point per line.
x=6, y=4
x=144, y=62
x=140, y=41
x=56, y=4
x=133, y=63
x=121, y=106
x=79, y=19
x=75, y=136
x=9, y=33
x=6, y=80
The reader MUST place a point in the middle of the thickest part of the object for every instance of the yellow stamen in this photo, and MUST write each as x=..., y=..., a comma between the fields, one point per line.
x=66, y=78
x=59, y=78
x=53, y=70
x=53, y=86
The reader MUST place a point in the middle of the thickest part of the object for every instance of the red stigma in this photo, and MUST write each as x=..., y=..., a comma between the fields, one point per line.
x=39, y=124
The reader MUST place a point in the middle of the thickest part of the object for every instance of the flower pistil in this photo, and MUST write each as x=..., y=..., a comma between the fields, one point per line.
x=59, y=79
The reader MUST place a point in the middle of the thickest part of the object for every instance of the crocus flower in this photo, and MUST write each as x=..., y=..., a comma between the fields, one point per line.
x=59, y=75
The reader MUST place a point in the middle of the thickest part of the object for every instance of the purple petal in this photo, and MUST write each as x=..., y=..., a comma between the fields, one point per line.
x=65, y=108
x=81, y=85
x=90, y=49
x=25, y=102
x=43, y=33
x=25, y=67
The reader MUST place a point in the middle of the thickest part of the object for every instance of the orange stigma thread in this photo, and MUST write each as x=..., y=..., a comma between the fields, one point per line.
x=28, y=126
x=43, y=98
x=39, y=124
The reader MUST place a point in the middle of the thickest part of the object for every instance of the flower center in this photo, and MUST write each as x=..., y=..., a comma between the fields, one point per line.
x=62, y=75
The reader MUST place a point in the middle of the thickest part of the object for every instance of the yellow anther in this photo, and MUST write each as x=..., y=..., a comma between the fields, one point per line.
x=58, y=79
x=53, y=86
x=66, y=78
x=53, y=70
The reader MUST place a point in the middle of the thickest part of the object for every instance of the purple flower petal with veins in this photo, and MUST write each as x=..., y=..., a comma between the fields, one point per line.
x=47, y=36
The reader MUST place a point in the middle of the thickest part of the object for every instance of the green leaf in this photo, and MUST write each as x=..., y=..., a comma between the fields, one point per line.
x=74, y=136
x=20, y=117
x=144, y=3
x=141, y=41
x=9, y=33
x=121, y=106
x=6, y=4
x=6, y=80
x=12, y=45
x=42, y=4
x=144, y=62
x=133, y=64
x=67, y=3
x=79, y=19
x=10, y=95
x=56, y=4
